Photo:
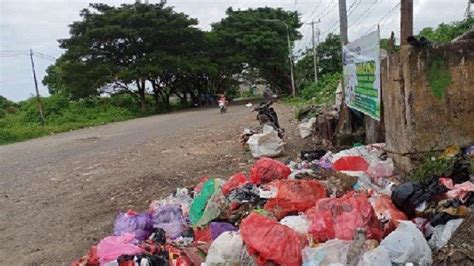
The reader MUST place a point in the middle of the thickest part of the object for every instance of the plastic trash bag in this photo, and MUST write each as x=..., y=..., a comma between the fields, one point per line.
x=217, y=228
x=306, y=128
x=228, y=249
x=350, y=163
x=376, y=257
x=340, y=218
x=169, y=218
x=214, y=206
x=458, y=191
x=379, y=168
x=407, y=245
x=111, y=247
x=386, y=212
x=180, y=197
x=442, y=233
x=294, y=196
x=266, y=144
x=371, y=152
x=138, y=224
x=235, y=181
x=199, y=203
x=299, y=223
x=333, y=252
x=267, y=240
x=266, y=170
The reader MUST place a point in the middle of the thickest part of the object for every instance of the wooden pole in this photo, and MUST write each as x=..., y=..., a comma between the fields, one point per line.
x=406, y=21
x=38, y=97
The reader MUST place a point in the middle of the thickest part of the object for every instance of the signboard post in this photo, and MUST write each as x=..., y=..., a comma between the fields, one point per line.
x=362, y=74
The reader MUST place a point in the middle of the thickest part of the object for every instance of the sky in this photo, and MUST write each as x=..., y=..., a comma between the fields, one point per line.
x=38, y=24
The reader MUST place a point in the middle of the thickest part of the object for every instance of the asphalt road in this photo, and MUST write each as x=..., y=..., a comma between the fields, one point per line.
x=59, y=194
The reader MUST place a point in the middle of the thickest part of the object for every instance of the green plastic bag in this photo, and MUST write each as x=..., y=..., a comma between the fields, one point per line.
x=199, y=203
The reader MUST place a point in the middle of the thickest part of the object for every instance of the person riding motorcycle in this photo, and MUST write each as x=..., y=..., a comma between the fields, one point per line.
x=222, y=104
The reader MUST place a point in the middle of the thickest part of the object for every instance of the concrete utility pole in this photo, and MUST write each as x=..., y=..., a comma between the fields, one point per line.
x=38, y=97
x=290, y=57
x=406, y=20
x=315, y=58
x=343, y=22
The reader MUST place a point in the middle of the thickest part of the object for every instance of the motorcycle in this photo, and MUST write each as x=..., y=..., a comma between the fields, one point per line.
x=267, y=115
x=222, y=107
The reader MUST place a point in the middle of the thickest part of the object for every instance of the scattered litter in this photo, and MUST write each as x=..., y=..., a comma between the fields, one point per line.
x=306, y=128
x=266, y=144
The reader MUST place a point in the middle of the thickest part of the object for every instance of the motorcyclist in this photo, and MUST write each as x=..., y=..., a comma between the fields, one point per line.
x=222, y=101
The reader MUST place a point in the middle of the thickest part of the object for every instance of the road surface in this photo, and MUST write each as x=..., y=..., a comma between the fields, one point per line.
x=60, y=194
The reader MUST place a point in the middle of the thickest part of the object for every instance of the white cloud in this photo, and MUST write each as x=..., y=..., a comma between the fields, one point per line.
x=38, y=24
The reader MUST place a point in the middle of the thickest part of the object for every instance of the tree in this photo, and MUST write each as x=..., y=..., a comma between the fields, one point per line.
x=329, y=55
x=257, y=37
x=445, y=33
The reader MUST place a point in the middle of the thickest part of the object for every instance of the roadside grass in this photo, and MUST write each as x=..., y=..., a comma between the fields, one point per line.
x=63, y=115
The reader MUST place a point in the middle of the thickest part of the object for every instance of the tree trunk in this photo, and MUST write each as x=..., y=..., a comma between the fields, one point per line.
x=165, y=99
x=141, y=93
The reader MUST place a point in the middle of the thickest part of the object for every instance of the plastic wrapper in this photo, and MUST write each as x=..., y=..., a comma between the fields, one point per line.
x=371, y=152
x=267, y=240
x=235, y=181
x=214, y=206
x=138, y=224
x=299, y=223
x=458, y=191
x=228, y=249
x=180, y=197
x=340, y=217
x=376, y=257
x=169, y=218
x=386, y=212
x=333, y=252
x=442, y=233
x=266, y=170
x=294, y=196
x=111, y=247
x=407, y=245
x=266, y=144
x=378, y=168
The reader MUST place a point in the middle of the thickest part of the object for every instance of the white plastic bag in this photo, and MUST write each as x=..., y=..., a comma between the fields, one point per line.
x=379, y=168
x=330, y=253
x=407, y=244
x=307, y=128
x=299, y=223
x=376, y=257
x=442, y=233
x=228, y=249
x=267, y=144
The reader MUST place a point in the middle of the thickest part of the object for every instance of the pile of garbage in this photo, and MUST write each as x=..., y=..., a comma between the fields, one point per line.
x=340, y=208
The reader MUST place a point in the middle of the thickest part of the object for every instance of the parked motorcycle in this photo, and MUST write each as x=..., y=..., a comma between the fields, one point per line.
x=267, y=115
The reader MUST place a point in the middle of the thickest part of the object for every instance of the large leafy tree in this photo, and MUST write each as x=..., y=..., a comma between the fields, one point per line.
x=124, y=48
x=329, y=55
x=258, y=37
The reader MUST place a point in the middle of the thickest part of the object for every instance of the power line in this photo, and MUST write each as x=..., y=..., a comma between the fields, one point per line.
x=385, y=17
x=365, y=13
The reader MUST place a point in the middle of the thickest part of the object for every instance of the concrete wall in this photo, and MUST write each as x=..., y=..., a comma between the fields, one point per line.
x=423, y=111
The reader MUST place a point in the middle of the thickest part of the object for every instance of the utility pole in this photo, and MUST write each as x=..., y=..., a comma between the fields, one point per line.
x=315, y=58
x=38, y=98
x=343, y=22
x=406, y=20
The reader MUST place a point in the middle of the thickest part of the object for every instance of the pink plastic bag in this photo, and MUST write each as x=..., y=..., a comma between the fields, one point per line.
x=458, y=191
x=340, y=217
x=266, y=170
x=111, y=247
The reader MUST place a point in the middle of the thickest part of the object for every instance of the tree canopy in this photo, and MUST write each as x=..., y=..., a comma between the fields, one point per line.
x=151, y=48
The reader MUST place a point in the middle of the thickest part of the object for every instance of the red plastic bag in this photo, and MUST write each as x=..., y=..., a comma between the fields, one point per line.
x=340, y=217
x=266, y=170
x=203, y=234
x=269, y=241
x=235, y=181
x=351, y=163
x=386, y=210
x=294, y=196
x=90, y=259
